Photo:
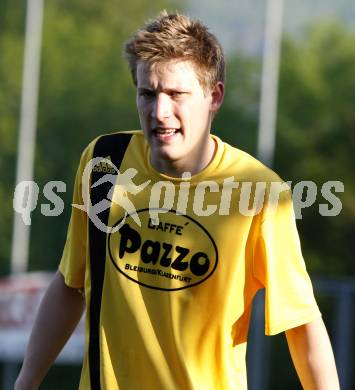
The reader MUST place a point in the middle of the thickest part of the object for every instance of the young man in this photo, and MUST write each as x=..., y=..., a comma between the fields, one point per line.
x=169, y=266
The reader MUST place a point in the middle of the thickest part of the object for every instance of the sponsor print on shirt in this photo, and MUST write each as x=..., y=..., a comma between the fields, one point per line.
x=172, y=253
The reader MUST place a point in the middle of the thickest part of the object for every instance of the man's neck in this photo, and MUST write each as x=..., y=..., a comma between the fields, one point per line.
x=193, y=165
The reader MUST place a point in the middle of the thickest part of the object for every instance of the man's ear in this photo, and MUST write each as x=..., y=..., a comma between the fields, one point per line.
x=217, y=94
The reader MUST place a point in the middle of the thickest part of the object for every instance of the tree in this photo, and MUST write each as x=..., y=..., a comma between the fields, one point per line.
x=85, y=90
x=316, y=124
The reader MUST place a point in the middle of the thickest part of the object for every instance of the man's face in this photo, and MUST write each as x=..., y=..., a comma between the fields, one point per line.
x=175, y=114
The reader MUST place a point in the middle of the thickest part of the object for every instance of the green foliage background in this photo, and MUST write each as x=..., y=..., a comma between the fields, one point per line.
x=315, y=138
x=86, y=90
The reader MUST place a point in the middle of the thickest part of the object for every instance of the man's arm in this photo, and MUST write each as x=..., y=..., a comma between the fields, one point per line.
x=312, y=356
x=57, y=317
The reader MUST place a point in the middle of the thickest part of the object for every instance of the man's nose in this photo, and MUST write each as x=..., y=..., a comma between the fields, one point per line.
x=162, y=107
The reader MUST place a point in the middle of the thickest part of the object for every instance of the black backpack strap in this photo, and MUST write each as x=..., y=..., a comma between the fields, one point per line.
x=113, y=145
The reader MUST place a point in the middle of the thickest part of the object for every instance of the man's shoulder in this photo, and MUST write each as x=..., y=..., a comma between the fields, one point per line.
x=109, y=137
x=247, y=167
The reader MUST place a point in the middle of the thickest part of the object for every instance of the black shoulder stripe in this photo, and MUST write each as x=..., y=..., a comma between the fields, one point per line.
x=113, y=145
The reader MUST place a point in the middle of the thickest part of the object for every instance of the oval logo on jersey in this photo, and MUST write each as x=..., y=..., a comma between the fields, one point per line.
x=173, y=254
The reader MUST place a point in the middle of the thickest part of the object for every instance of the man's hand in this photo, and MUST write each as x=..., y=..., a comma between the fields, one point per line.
x=59, y=313
x=312, y=356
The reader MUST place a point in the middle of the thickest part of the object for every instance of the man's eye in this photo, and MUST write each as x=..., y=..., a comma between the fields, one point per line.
x=146, y=94
x=177, y=93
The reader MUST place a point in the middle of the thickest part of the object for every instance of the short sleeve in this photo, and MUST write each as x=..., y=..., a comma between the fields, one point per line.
x=278, y=264
x=73, y=261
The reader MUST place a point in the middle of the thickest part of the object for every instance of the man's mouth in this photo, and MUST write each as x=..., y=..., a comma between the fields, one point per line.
x=165, y=133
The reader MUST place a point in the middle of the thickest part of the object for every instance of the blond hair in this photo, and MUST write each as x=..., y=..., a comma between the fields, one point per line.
x=177, y=37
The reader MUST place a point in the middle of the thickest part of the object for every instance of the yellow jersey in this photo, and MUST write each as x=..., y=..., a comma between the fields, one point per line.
x=182, y=260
